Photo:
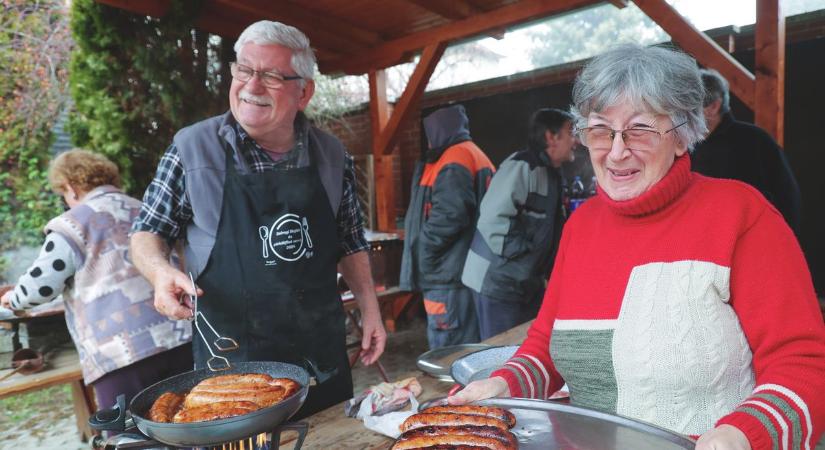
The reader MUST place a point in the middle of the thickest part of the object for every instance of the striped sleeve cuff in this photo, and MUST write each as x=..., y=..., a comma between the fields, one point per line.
x=526, y=376
x=773, y=417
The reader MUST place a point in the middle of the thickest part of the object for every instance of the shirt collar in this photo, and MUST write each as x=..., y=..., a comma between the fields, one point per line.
x=301, y=133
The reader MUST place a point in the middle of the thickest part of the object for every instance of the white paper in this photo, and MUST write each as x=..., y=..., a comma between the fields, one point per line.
x=388, y=423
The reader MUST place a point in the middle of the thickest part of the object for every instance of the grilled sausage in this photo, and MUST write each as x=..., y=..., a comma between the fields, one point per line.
x=236, y=378
x=451, y=440
x=447, y=419
x=264, y=396
x=165, y=407
x=290, y=386
x=505, y=437
x=451, y=447
x=475, y=410
x=214, y=411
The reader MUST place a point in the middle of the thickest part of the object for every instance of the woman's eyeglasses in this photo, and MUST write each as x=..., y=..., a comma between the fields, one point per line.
x=602, y=137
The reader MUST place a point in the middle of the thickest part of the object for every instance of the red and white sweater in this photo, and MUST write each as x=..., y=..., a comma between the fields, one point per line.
x=688, y=307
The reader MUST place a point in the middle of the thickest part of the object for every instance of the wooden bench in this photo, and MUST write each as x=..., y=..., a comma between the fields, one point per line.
x=62, y=366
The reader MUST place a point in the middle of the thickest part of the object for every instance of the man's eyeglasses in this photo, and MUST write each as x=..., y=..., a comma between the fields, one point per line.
x=269, y=79
x=601, y=137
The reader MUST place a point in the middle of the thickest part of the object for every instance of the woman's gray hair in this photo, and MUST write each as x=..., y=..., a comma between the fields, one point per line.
x=653, y=79
x=267, y=32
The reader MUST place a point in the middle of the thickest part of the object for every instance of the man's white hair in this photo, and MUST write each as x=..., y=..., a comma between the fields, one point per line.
x=267, y=32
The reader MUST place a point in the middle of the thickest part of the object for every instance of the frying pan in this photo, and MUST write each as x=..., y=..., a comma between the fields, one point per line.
x=214, y=432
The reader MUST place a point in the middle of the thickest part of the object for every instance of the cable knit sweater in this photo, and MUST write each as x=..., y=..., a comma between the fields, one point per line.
x=687, y=307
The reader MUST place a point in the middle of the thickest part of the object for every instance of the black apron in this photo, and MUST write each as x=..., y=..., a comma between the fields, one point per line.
x=271, y=279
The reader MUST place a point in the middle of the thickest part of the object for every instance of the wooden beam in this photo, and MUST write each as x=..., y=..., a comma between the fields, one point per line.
x=231, y=26
x=310, y=22
x=770, y=68
x=452, y=10
x=383, y=164
x=457, y=10
x=386, y=54
x=703, y=48
x=412, y=94
x=385, y=142
x=379, y=106
x=619, y=3
x=320, y=37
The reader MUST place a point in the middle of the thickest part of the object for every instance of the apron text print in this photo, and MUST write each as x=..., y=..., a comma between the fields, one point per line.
x=286, y=239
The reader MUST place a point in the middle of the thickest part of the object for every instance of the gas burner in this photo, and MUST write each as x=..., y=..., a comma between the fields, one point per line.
x=263, y=441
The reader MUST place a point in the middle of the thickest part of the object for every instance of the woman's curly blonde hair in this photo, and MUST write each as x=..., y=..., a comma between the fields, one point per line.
x=83, y=170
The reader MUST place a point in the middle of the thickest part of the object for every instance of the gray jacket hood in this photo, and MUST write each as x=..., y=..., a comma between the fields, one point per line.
x=445, y=128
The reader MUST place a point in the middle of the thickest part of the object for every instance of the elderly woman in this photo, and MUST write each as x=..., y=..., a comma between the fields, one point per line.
x=123, y=343
x=676, y=299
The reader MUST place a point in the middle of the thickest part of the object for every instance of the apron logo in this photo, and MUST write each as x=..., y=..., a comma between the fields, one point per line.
x=287, y=239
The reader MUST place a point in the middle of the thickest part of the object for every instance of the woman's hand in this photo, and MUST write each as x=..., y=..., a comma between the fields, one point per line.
x=479, y=390
x=723, y=437
x=5, y=300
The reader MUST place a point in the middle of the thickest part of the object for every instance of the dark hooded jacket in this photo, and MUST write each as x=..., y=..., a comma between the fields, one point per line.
x=447, y=187
x=745, y=152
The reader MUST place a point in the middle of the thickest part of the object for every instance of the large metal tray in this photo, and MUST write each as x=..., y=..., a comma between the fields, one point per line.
x=553, y=426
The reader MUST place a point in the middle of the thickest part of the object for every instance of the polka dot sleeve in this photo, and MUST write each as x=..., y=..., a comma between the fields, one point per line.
x=53, y=269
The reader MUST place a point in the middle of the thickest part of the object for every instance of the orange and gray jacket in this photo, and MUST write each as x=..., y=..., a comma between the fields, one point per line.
x=518, y=230
x=447, y=187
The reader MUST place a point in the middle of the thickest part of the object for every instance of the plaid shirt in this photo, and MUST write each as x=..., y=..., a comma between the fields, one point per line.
x=166, y=209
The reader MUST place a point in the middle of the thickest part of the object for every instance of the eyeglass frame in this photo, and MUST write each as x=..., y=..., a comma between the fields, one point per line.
x=613, y=133
x=262, y=74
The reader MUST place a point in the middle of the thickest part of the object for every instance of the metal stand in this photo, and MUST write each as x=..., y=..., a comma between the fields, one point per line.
x=300, y=427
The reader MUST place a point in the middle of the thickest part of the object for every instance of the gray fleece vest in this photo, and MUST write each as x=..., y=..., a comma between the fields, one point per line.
x=201, y=148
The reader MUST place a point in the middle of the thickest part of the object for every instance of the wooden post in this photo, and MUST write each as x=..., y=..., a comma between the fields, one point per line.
x=703, y=48
x=769, y=111
x=382, y=164
x=84, y=406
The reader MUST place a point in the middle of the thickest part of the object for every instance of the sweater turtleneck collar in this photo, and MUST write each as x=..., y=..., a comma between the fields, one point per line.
x=663, y=193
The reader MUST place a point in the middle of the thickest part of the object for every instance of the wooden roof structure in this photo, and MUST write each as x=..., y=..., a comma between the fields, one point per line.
x=367, y=36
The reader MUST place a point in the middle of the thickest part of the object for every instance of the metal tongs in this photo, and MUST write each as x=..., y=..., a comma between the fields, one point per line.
x=222, y=343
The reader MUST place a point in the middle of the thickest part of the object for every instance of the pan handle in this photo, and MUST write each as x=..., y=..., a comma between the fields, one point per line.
x=320, y=376
x=113, y=419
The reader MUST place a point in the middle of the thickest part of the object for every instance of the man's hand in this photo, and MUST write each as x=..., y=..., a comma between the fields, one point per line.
x=150, y=254
x=356, y=271
x=374, y=339
x=723, y=437
x=172, y=291
x=480, y=390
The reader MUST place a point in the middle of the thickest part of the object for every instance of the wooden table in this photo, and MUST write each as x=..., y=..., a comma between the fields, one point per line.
x=332, y=429
x=61, y=366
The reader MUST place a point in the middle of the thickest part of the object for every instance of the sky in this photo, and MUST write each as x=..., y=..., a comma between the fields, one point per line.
x=704, y=14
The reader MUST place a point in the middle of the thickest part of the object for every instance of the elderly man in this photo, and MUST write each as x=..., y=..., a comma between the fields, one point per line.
x=265, y=204
x=742, y=151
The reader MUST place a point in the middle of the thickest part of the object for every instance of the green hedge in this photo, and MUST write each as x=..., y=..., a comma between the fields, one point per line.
x=34, y=51
x=136, y=80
